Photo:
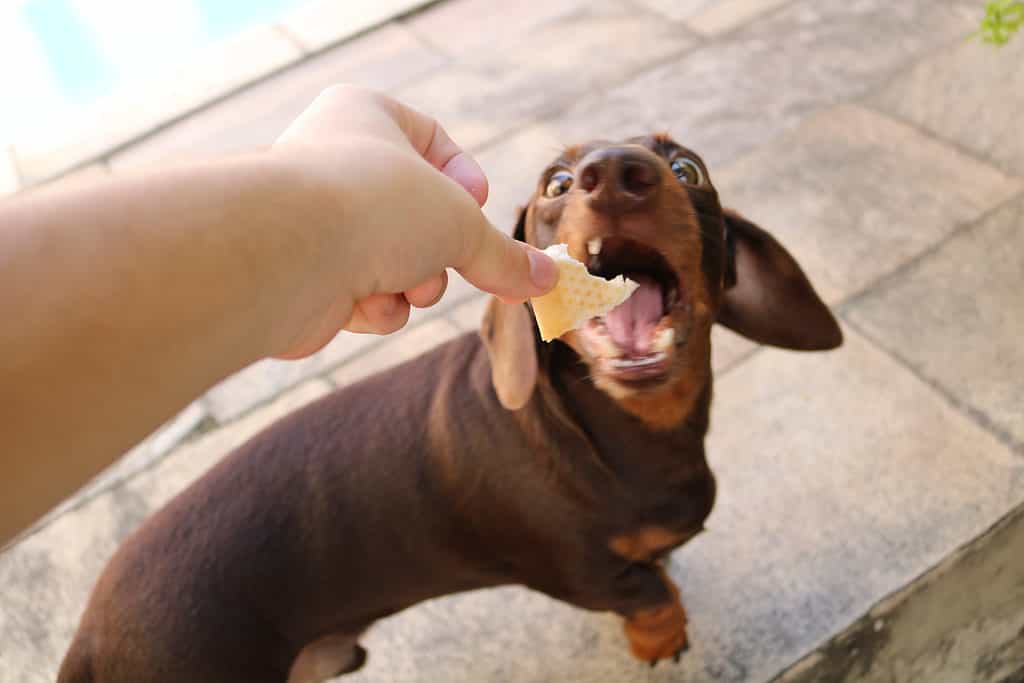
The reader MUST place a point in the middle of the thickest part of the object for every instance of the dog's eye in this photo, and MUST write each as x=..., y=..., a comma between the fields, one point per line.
x=687, y=171
x=559, y=184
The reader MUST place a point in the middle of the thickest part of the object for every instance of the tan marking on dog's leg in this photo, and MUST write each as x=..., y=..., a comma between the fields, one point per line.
x=659, y=632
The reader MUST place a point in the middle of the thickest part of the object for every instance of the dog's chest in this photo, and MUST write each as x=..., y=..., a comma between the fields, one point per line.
x=665, y=518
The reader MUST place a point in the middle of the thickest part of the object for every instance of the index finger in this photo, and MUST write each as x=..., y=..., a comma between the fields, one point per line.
x=432, y=142
x=512, y=270
x=353, y=110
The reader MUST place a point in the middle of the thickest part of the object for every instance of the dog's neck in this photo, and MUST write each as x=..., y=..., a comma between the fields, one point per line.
x=658, y=434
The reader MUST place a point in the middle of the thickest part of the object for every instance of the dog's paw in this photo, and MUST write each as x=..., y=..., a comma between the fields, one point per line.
x=658, y=633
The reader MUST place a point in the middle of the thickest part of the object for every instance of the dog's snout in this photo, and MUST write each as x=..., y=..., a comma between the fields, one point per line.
x=619, y=178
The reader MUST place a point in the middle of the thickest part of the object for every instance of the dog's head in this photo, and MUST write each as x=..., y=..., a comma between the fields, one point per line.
x=646, y=209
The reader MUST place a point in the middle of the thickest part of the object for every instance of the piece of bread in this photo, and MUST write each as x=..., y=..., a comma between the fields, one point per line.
x=578, y=296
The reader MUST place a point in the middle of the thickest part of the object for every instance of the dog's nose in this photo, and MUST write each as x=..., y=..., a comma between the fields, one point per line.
x=619, y=178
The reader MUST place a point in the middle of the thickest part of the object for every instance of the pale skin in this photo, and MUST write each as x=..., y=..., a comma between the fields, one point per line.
x=124, y=300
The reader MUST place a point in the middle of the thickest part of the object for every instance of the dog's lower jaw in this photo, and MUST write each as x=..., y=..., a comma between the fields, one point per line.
x=666, y=406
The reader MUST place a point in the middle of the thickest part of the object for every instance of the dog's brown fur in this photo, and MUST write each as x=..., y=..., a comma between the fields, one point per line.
x=493, y=459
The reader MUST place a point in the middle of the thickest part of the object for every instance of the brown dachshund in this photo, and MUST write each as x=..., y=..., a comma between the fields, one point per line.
x=572, y=468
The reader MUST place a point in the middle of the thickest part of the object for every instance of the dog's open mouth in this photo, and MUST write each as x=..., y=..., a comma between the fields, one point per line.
x=635, y=342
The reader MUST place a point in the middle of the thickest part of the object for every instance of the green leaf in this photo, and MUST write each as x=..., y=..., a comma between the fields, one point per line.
x=1003, y=18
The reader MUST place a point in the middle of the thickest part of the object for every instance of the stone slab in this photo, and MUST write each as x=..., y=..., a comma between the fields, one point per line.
x=255, y=117
x=464, y=28
x=523, y=77
x=957, y=317
x=841, y=478
x=713, y=17
x=678, y=10
x=513, y=167
x=317, y=25
x=468, y=315
x=972, y=94
x=744, y=89
x=399, y=347
x=854, y=194
x=45, y=580
x=727, y=15
x=265, y=379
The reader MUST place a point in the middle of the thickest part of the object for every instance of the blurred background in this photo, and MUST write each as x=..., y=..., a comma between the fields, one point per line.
x=870, y=517
x=84, y=77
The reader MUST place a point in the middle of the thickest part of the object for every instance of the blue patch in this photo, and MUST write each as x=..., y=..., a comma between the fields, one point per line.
x=78, y=66
x=82, y=70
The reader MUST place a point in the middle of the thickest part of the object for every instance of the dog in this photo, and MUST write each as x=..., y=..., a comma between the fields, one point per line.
x=572, y=468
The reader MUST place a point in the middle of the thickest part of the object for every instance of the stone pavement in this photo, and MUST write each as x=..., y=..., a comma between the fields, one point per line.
x=869, y=522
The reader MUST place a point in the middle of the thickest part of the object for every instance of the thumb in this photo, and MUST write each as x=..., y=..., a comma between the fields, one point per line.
x=508, y=268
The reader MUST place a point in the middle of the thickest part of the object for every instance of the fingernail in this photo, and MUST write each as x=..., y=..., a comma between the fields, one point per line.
x=543, y=271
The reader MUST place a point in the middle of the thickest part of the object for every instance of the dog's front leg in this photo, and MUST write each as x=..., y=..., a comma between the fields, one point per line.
x=655, y=620
x=648, y=600
x=659, y=631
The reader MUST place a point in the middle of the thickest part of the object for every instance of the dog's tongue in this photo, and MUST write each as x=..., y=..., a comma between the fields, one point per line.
x=631, y=323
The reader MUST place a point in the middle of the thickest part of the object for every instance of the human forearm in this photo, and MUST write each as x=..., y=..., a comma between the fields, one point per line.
x=123, y=301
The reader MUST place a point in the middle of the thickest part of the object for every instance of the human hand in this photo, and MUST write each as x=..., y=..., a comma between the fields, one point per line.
x=402, y=204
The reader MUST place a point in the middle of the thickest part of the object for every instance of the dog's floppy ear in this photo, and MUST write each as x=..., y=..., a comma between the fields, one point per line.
x=508, y=334
x=768, y=298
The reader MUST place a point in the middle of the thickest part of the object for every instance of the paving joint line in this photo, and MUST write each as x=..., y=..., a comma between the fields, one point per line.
x=910, y=65
x=739, y=360
x=425, y=40
x=975, y=415
x=864, y=100
x=703, y=42
x=881, y=282
x=547, y=114
x=935, y=137
x=844, y=307
x=287, y=34
x=739, y=28
x=683, y=24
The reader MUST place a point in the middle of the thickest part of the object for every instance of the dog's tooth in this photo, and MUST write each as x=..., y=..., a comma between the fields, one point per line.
x=637, y=362
x=663, y=340
x=594, y=246
x=607, y=346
